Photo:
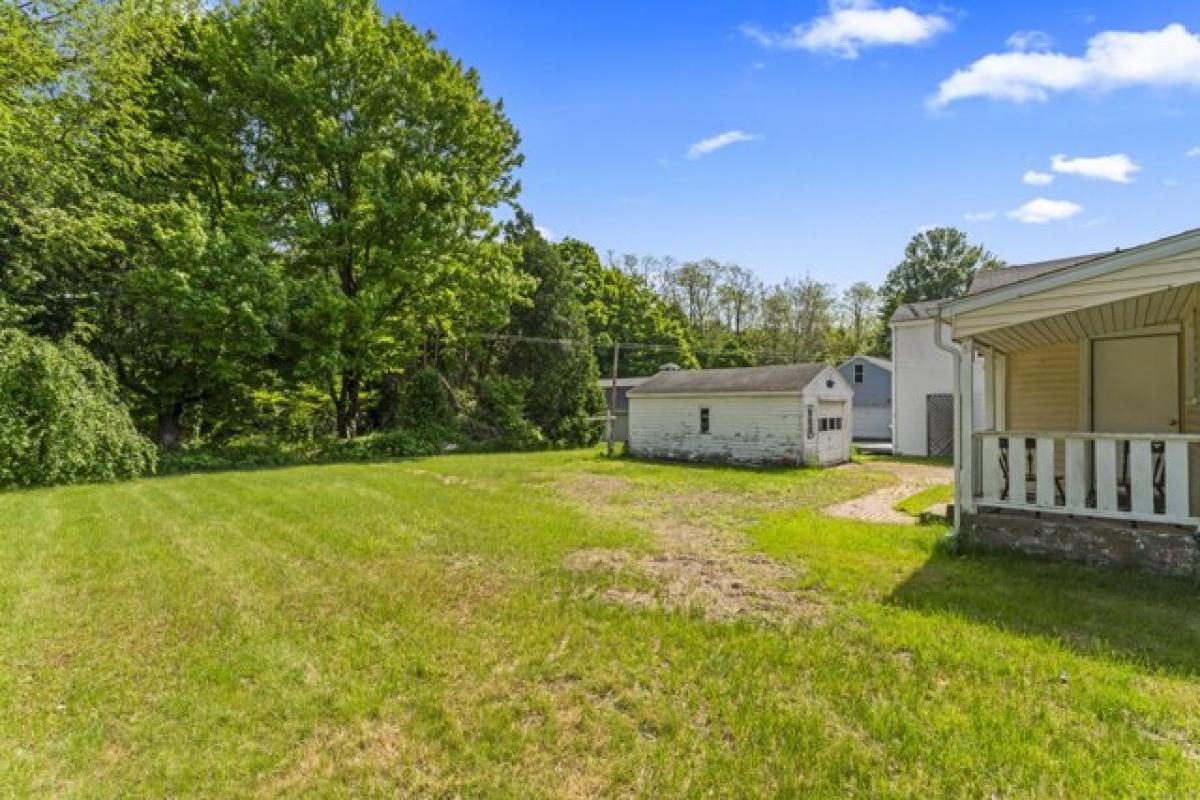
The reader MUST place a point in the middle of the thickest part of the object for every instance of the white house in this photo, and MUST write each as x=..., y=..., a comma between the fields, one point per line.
x=923, y=382
x=1088, y=444
x=793, y=414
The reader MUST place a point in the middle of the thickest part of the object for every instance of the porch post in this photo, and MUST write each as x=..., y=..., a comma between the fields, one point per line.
x=964, y=454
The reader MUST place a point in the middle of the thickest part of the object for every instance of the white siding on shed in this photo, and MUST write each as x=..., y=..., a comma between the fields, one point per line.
x=746, y=427
x=742, y=429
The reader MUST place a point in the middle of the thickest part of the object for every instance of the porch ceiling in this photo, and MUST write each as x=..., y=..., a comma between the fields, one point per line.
x=1147, y=310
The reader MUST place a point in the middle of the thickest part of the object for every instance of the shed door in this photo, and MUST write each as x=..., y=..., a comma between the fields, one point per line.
x=1135, y=385
x=831, y=432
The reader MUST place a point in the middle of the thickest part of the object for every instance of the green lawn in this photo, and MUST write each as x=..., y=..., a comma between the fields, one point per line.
x=924, y=499
x=424, y=628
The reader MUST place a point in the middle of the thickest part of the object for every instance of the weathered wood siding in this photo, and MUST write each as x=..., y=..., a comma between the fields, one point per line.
x=746, y=429
x=1043, y=389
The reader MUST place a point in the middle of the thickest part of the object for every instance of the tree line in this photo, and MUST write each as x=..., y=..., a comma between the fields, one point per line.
x=734, y=318
x=301, y=218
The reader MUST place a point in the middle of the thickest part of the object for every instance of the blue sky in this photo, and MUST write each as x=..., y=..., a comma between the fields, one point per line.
x=854, y=135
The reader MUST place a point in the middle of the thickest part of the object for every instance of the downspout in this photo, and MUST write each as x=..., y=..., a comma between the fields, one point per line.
x=956, y=353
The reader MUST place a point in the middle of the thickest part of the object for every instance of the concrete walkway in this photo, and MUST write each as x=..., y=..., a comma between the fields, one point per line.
x=878, y=506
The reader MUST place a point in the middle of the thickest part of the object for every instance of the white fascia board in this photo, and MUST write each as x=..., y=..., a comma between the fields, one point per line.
x=1104, y=265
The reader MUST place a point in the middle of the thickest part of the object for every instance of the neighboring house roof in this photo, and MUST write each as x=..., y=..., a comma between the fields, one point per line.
x=787, y=378
x=1067, y=271
x=994, y=278
x=882, y=363
x=909, y=312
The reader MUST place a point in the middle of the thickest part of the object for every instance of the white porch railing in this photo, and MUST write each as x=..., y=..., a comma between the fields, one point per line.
x=1142, y=477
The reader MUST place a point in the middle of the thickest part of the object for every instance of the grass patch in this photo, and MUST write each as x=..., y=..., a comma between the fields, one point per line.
x=925, y=499
x=411, y=628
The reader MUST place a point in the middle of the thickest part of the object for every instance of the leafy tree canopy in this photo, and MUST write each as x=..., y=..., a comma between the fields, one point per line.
x=938, y=264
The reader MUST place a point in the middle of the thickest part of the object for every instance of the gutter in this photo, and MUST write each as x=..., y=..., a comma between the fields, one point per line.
x=956, y=353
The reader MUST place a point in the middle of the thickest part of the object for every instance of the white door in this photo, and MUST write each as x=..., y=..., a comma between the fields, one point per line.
x=1135, y=385
x=831, y=432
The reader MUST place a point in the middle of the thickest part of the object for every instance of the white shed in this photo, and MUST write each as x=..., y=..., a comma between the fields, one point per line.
x=792, y=414
x=923, y=382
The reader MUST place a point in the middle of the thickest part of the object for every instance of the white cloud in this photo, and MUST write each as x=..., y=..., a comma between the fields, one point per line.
x=1035, y=178
x=714, y=143
x=1170, y=182
x=546, y=233
x=1025, y=41
x=1117, y=168
x=1041, y=211
x=1194, y=152
x=852, y=26
x=979, y=216
x=1113, y=59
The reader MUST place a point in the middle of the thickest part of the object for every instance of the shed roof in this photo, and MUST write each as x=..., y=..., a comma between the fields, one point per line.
x=606, y=383
x=786, y=378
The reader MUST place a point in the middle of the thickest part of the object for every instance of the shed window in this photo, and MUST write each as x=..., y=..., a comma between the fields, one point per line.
x=811, y=430
x=858, y=373
x=704, y=420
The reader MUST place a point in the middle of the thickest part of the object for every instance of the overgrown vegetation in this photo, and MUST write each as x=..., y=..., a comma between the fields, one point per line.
x=421, y=628
x=60, y=418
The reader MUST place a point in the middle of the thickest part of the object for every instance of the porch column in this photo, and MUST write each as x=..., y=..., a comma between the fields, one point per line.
x=964, y=453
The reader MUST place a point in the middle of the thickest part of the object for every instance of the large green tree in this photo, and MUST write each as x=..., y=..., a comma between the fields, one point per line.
x=622, y=308
x=560, y=377
x=125, y=226
x=938, y=264
x=381, y=161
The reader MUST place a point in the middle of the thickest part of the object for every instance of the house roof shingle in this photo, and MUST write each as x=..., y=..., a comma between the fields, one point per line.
x=786, y=378
x=995, y=278
x=908, y=312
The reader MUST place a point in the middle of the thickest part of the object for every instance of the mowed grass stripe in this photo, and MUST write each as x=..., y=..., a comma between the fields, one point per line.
x=409, y=628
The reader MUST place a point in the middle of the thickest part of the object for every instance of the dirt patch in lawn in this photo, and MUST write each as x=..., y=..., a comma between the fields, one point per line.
x=697, y=566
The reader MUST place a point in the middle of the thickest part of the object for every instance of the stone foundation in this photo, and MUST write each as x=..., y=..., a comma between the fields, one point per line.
x=1146, y=547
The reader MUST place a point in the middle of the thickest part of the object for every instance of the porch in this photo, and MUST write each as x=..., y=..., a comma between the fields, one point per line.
x=1091, y=418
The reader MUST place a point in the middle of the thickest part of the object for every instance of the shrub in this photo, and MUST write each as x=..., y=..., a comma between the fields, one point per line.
x=392, y=444
x=61, y=420
x=241, y=452
x=501, y=415
x=425, y=402
x=258, y=451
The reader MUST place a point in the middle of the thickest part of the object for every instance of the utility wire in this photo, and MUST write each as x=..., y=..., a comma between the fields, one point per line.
x=512, y=337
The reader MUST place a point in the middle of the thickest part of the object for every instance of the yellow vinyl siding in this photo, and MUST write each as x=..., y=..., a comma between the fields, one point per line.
x=1043, y=389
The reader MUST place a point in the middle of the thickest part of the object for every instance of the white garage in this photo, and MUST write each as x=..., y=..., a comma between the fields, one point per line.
x=791, y=414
